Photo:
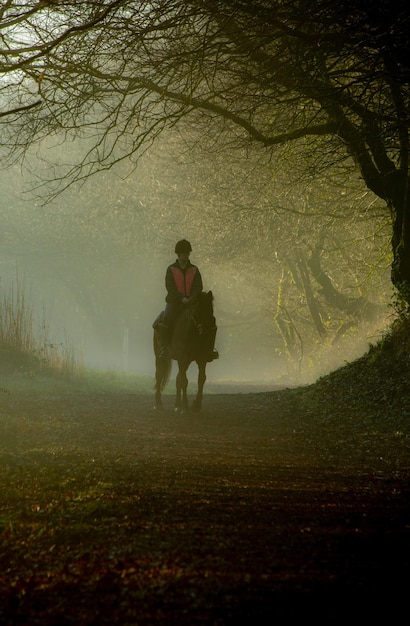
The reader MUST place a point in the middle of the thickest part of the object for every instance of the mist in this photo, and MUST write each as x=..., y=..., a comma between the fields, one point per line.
x=93, y=261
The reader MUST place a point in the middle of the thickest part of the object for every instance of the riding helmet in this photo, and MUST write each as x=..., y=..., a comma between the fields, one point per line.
x=183, y=246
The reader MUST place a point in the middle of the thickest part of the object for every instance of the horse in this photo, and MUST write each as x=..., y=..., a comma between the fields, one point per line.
x=192, y=340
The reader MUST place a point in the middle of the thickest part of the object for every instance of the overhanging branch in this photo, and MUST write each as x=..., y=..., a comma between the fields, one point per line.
x=24, y=108
x=212, y=107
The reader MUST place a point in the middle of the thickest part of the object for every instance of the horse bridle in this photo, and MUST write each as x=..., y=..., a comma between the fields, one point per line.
x=201, y=328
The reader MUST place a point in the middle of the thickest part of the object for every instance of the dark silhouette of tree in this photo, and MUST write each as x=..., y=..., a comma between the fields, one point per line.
x=266, y=71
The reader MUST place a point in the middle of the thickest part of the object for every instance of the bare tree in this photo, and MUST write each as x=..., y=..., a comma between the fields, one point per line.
x=268, y=72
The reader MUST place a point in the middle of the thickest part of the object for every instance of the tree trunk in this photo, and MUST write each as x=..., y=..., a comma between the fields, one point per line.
x=310, y=298
x=399, y=204
x=360, y=308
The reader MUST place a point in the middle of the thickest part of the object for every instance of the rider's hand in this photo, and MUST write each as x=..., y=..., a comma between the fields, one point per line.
x=185, y=300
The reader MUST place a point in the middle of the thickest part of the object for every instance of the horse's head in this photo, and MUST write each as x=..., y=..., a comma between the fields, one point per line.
x=202, y=310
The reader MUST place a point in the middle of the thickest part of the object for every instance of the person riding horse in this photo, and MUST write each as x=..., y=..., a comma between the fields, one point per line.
x=183, y=282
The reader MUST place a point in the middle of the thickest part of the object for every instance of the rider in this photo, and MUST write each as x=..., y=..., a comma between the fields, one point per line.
x=183, y=281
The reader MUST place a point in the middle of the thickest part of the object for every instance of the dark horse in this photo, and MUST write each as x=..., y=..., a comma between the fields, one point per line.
x=192, y=340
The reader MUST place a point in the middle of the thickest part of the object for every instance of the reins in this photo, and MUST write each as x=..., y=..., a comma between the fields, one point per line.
x=199, y=325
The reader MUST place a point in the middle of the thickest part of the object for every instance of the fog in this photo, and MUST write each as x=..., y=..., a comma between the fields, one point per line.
x=93, y=259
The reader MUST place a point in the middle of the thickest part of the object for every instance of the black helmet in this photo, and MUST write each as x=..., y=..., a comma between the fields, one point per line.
x=183, y=246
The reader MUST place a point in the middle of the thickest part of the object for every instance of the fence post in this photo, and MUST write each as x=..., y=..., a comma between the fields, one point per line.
x=125, y=346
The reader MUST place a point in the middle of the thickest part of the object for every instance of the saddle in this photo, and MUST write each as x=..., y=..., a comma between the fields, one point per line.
x=165, y=336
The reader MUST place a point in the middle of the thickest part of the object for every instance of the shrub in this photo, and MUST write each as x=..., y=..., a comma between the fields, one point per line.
x=26, y=346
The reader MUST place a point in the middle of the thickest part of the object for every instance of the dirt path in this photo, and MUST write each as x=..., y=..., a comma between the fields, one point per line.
x=251, y=511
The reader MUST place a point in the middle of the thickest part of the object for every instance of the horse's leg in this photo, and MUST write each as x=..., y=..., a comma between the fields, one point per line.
x=158, y=381
x=182, y=384
x=158, y=374
x=178, y=387
x=197, y=405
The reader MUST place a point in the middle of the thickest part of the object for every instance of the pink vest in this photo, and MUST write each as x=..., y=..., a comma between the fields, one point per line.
x=184, y=280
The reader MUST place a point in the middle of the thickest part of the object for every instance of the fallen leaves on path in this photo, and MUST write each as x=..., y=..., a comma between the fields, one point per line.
x=253, y=510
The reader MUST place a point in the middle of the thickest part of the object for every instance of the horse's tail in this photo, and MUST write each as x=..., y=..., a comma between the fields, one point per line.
x=164, y=364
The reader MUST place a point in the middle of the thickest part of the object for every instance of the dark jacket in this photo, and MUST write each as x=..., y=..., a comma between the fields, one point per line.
x=182, y=283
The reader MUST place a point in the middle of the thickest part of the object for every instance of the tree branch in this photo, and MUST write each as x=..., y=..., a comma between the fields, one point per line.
x=212, y=107
x=26, y=107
